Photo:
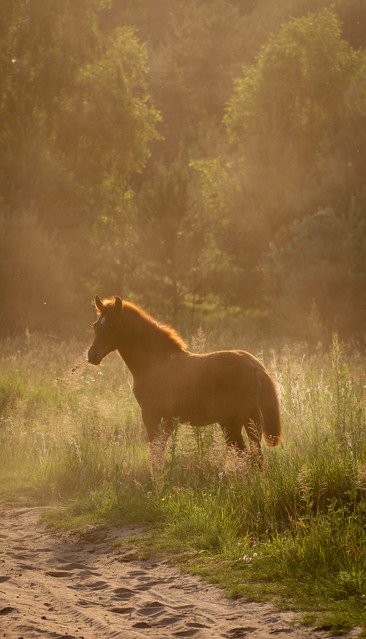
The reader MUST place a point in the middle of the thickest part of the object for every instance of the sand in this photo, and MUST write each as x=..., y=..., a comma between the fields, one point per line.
x=57, y=585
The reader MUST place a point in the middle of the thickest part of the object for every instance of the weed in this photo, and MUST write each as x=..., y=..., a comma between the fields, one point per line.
x=70, y=432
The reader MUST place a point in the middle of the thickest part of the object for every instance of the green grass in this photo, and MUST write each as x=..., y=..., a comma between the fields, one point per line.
x=71, y=434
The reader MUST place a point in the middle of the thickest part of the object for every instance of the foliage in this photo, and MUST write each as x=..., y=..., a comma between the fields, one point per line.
x=123, y=130
x=195, y=45
x=286, y=110
x=71, y=99
x=134, y=163
x=108, y=120
x=296, y=90
x=172, y=240
x=290, y=117
x=321, y=269
x=35, y=292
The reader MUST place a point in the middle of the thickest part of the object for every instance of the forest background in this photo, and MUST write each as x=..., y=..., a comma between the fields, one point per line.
x=205, y=159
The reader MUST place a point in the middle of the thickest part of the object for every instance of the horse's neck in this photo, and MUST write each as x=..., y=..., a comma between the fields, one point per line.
x=133, y=363
x=141, y=347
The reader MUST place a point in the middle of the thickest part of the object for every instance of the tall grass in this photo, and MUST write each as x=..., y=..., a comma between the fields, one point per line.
x=69, y=431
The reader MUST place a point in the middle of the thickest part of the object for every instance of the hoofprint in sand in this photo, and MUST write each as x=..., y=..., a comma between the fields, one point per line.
x=62, y=587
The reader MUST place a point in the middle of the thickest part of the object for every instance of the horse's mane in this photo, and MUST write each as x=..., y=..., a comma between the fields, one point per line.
x=165, y=334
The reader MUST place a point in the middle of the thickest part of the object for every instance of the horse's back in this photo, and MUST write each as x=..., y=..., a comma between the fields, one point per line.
x=218, y=386
x=230, y=363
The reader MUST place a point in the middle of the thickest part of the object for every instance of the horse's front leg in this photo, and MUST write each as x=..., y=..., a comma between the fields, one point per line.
x=158, y=429
x=158, y=432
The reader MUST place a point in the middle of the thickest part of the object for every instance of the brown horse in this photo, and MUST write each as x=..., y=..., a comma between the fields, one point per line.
x=231, y=388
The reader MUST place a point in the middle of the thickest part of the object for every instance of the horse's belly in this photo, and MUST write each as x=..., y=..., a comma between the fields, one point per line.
x=195, y=419
x=200, y=410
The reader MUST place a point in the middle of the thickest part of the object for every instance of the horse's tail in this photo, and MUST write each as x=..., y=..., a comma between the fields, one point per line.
x=270, y=408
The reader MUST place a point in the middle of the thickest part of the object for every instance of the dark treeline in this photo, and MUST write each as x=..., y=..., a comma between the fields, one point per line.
x=206, y=159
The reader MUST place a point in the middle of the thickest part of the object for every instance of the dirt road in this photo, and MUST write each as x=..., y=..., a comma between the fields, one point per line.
x=53, y=586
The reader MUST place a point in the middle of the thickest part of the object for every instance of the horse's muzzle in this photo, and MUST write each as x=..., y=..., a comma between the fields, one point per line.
x=93, y=357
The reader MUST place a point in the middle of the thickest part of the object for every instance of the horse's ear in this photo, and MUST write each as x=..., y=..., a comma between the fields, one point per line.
x=118, y=304
x=99, y=304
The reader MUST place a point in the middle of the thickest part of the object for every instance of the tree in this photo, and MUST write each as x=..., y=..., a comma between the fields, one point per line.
x=321, y=270
x=285, y=104
x=42, y=45
x=108, y=119
x=172, y=241
x=297, y=119
x=37, y=286
x=74, y=109
x=192, y=69
x=76, y=123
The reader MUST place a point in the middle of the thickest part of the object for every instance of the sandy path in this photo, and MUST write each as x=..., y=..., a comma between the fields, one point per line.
x=58, y=586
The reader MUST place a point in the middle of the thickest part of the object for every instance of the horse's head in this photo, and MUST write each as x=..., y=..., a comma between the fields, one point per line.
x=106, y=329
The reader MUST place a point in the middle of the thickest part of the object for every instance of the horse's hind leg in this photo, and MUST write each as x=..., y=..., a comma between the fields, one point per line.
x=254, y=432
x=233, y=436
x=166, y=429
